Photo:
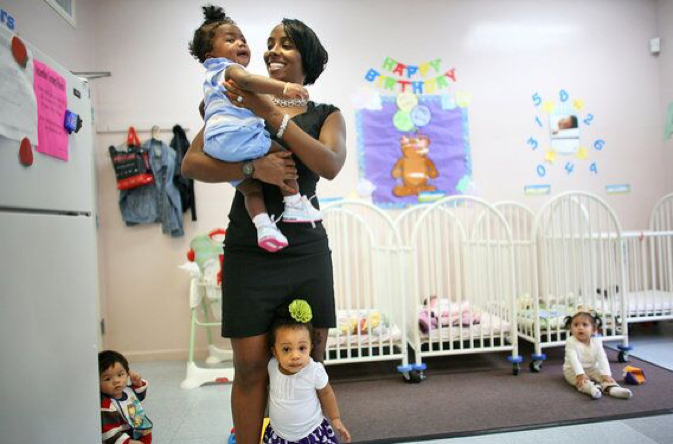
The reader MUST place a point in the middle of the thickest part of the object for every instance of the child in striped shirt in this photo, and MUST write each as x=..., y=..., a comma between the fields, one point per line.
x=123, y=417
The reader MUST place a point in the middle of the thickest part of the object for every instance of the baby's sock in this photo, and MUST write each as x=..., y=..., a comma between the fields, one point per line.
x=591, y=389
x=261, y=220
x=292, y=199
x=619, y=392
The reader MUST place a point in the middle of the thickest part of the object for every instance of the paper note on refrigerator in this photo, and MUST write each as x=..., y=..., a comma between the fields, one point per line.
x=50, y=91
x=18, y=108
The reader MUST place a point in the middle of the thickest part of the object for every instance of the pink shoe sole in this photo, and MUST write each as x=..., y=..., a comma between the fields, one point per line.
x=296, y=221
x=271, y=245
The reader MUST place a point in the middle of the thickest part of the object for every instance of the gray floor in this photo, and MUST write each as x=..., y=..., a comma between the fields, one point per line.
x=202, y=415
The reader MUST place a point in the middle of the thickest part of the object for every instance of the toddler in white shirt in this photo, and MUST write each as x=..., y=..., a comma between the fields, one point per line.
x=300, y=396
x=586, y=364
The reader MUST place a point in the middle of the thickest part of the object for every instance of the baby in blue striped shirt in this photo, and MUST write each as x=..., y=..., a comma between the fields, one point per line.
x=234, y=134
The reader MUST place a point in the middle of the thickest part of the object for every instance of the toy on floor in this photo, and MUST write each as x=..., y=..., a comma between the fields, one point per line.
x=633, y=375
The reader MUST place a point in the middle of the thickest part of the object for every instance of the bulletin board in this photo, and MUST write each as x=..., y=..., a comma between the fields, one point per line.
x=413, y=138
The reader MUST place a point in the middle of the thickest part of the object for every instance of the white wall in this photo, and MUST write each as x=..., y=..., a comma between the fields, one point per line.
x=503, y=52
x=665, y=31
x=43, y=27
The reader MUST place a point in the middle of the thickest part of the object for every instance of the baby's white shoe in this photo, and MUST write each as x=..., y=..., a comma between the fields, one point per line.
x=269, y=236
x=619, y=392
x=298, y=209
x=591, y=389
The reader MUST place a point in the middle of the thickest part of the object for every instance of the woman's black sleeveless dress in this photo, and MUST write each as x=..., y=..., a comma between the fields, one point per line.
x=256, y=282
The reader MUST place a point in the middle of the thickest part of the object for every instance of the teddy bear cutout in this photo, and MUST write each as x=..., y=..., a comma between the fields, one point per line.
x=414, y=167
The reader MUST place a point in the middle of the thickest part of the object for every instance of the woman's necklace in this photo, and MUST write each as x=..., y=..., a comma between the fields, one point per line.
x=289, y=103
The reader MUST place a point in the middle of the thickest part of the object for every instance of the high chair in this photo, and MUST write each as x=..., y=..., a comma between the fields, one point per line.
x=205, y=296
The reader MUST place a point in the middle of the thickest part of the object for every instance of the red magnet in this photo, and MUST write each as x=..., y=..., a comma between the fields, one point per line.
x=19, y=52
x=26, y=152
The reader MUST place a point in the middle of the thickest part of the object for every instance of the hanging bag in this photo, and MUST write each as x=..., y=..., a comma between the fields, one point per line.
x=132, y=167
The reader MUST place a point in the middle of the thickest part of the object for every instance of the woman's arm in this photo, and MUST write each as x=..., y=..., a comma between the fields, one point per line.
x=324, y=156
x=264, y=85
x=274, y=168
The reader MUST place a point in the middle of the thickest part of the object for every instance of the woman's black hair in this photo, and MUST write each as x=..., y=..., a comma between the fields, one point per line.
x=202, y=42
x=284, y=319
x=108, y=358
x=313, y=55
x=596, y=320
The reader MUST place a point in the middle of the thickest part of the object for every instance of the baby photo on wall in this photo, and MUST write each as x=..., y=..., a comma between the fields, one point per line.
x=565, y=133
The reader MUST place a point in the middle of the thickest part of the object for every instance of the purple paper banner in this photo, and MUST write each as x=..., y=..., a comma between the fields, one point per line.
x=380, y=148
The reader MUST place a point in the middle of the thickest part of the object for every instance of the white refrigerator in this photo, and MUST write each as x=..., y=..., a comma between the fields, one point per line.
x=48, y=286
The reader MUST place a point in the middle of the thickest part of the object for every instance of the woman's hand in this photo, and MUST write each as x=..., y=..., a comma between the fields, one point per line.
x=260, y=105
x=275, y=169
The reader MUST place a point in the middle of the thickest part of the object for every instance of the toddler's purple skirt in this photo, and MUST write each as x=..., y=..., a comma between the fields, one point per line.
x=324, y=433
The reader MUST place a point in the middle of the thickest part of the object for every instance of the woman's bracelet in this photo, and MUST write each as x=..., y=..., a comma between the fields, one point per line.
x=283, y=126
x=287, y=85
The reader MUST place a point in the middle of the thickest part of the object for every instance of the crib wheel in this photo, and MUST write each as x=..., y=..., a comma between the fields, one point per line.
x=417, y=376
x=623, y=357
x=413, y=376
x=536, y=366
x=516, y=369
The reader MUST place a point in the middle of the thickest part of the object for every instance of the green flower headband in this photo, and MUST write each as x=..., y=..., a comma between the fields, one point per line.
x=301, y=311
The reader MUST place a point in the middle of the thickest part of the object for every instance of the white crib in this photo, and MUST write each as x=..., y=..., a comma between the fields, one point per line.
x=649, y=267
x=368, y=285
x=576, y=244
x=520, y=219
x=461, y=286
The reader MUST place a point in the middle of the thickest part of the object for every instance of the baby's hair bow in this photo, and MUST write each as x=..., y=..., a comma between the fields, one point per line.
x=300, y=311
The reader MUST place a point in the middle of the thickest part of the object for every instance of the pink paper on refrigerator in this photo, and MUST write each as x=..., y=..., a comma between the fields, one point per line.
x=50, y=91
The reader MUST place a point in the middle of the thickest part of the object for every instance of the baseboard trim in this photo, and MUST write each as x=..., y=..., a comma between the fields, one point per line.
x=165, y=355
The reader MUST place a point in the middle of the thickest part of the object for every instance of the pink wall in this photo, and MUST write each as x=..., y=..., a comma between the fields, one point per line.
x=503, y=52
x=665, y=31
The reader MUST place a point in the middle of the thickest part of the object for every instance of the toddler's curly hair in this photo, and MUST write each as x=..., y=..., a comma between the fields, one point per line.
x=202, y=42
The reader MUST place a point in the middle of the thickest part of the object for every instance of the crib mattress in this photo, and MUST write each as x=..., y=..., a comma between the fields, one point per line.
x=487, y=322
x=649, y=302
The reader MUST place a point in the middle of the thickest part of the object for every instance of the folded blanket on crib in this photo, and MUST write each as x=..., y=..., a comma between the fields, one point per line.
x=525, y=300
x=441, y=310
x=490, y=326
x=549, y=317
